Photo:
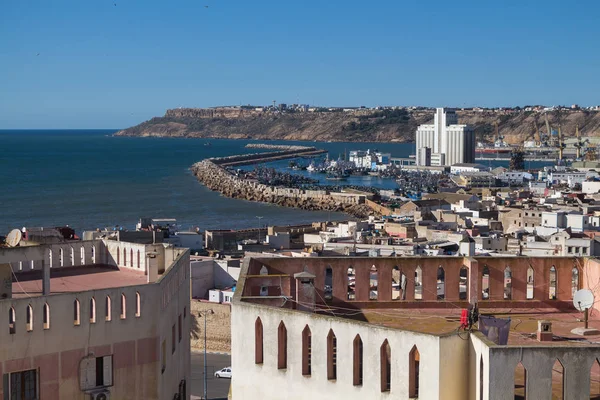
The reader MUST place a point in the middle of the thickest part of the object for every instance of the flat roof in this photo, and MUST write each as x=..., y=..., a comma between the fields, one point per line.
x=442, y=322
x=76, y=279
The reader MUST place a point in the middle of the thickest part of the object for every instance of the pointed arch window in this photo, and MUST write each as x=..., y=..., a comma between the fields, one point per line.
x=530, y=283
x=441, y=283
x=396, y=283
x=385, y=354
x=29, y=318
x=131, y=258
x=357, y=361
x=123, y=306
x=373, y=283
x=558, y=381
x=574, y=281
x=595, y=381
x=414, y=359
x=331, y=355
x=463, y=283
x=306, y=351
x=520, y=382
x=485, y=283
x=258, y=341
x=76, y=313
x=46, y=316
x=553, y=283
x=108, y=309
x=328, y=289
x=281, y=346
x=12, y=321
x=418, y=283
x=92, y=310
x=138, y=305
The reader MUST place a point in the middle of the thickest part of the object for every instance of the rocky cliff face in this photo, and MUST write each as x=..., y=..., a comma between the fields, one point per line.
x=386, y=125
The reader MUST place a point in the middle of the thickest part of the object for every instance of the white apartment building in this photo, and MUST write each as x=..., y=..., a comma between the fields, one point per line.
x=449, y=142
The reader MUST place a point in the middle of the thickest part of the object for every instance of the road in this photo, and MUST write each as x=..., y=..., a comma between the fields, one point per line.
x=218, y=389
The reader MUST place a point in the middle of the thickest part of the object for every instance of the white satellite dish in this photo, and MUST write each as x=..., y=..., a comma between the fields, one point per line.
x=583, y=299
x=14, y=238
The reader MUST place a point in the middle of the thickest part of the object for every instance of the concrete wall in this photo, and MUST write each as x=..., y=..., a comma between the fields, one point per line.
x=202, y=277
x=265, y=381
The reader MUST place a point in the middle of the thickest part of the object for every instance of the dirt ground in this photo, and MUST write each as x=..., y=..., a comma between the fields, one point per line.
x=218, y=327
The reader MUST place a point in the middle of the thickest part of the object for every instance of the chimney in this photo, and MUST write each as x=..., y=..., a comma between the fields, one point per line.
x=305, y=291
x=544, y=331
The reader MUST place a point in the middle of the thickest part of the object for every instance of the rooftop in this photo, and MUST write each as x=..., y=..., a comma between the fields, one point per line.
x=76, y=279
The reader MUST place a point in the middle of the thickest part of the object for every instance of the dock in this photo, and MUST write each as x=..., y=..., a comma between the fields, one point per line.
x=259, y=158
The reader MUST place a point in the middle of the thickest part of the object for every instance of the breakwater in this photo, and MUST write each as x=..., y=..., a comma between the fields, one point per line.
x=213, y=174
x=256, y=158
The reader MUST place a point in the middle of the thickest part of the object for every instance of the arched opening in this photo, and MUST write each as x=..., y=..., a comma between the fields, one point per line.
x=331, y=355
x=124, y=257
x=108, y=309
x=61, y=257
x=441, y=283
x=396, y=278
x=574, y=281
x=507, y=283
x=385, y=356
x=131, y=258
x=530, y=283
x=558, y=381
x=72, y=256
x=264, y=290
x=258, y=341
x=373, y=283
x=520, y=382
x=264, y=270
x=595, y=381
x=93, y=249
x=138, y=260
x=463, y=283
x=118, y=256
x=403, y=282
x=92, y=311
x=306, y=351
x=413, y=372
x=76, y=313
x=418, y=283
x=553, y=281
x=46, y=316
x=50, y=258
x=82, y=255
x=11, y=321
x=123, y=306
x=485, y=283
x=351, y=284
x=29, y=318
x=481, y=385
x=281, y=346
x=357, y=361
x=328, y=288
x=138, y=305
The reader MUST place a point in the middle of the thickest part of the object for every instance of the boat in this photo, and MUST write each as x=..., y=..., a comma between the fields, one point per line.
x=311, y=167
x=336, y=176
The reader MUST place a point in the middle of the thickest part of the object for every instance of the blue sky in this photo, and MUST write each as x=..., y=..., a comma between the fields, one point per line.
x=102, y=65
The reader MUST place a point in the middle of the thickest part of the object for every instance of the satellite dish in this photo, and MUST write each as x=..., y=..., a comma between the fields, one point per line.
x=583, y=299
x=14, y=238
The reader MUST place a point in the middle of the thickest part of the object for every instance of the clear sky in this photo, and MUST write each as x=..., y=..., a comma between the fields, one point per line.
x=114, y=63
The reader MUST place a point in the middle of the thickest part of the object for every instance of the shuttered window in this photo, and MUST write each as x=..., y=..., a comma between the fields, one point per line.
x=96, y=372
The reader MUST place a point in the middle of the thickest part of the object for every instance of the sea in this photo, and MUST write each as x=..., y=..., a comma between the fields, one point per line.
x=90, y=179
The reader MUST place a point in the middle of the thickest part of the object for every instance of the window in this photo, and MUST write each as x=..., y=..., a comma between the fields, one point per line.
x=22, y=385
x=331, y=355
x=184, y=312
x=441, y=283
x=595, y=380
x=96, y=372
x=29, y=318
x=92, y=310
x=574, y=281
x=163, y=352
x=179, y=325
x=584, y=250
x=558, y=381
x=385, y=354
x=357, y=361
x=351, y=293
x=552, y=289
x=46, y=316
x=11, y=321
x=507, y=283
x=306, y=351
x=520, y=382
x=76, y=313
x=485, y=283
x=328, y=288
x=570, y=249
x=258, y=341
x=418, y=283
x=138, y=306
x=530, y=283
x=413, y=372
x=281, y=346
x=123, y=306
x=108, y=309
x=173, y=339
x=373, y=283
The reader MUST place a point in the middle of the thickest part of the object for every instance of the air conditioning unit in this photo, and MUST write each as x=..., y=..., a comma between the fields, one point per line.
x=100, y=395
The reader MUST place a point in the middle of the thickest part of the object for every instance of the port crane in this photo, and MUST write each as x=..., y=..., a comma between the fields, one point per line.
x=561, y=145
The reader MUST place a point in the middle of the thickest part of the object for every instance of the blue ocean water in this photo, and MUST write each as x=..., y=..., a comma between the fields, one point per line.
x=90, y=179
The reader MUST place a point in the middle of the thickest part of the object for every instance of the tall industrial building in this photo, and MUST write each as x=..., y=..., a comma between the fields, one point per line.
x=445, y=142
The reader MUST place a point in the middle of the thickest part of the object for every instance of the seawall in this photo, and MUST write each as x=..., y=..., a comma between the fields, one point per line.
x=213, y=175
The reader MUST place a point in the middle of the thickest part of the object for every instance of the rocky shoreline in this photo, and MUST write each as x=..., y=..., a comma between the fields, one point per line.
x=213, y=175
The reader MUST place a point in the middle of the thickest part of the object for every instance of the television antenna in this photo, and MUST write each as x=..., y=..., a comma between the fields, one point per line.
x=14, y=238
x=583, y=300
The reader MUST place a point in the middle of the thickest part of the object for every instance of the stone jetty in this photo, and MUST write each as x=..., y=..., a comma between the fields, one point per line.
x=213, y=174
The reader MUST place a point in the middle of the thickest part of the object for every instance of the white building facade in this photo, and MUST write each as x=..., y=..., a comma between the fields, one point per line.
x=450, y=143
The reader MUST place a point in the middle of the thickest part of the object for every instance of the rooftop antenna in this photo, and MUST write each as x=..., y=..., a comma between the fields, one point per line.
x=14, y=238
x=583, y=300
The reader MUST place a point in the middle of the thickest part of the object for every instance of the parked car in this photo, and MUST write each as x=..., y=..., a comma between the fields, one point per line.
x=223, y=373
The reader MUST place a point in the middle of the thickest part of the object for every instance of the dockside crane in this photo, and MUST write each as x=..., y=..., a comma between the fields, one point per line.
x=561, y=145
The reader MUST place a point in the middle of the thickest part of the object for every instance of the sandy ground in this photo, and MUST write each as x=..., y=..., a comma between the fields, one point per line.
x=218, y=327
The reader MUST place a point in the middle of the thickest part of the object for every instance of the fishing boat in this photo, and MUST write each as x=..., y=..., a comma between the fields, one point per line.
x=336, y=176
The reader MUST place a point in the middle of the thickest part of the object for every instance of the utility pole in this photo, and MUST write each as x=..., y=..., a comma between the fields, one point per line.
x=259, y=218
x=205, y=366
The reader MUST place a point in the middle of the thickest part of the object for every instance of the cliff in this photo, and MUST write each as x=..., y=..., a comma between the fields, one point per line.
x=358, y=125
